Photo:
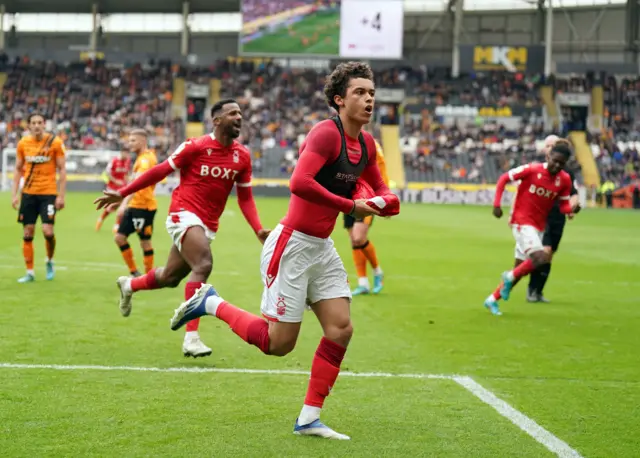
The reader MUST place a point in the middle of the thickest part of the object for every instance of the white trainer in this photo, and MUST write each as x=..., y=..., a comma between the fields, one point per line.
x=194, y=347
x=125, y=296
x=317, y=428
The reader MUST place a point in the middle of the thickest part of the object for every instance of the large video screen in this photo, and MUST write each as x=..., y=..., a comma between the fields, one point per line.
x=345, y=28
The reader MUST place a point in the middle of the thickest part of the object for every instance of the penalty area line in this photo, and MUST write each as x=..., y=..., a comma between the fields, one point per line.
x=222, y=370
x=551, y=442
x=526, y=424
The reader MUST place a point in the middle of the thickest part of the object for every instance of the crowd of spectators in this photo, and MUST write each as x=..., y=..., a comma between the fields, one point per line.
x=92, y=106
x=452, y=146
x=617, y=149
x=618, y=156
x=496, y=89
x=475, y=153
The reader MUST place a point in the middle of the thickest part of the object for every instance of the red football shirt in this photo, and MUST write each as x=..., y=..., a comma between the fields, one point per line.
x=537, y=192
x=313, y=210
x=208, y=171
x=118, y=170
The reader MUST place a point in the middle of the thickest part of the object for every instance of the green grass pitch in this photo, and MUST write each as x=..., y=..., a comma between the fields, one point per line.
x=317, y=33
x=571, y=366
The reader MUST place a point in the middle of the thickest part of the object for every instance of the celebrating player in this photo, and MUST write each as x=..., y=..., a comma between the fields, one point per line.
x=209, y=167
x=552, y=233
x=116, y=173
x=362, y=248
x=138, y=210
x=540, y=186
x=40, y=156
x=300, y=264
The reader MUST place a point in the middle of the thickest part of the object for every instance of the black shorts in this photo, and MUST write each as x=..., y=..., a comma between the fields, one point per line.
x=553, y=234
x=32, y=205
x=349, y=221
x=137, y=220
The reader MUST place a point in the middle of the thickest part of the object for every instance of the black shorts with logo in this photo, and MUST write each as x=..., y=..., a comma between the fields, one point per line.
x=137, y=220
x=349, y=221
x=34, y=205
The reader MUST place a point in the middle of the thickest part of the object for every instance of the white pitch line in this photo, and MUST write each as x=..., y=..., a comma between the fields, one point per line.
x=110, y=266
x=68, y=367
x=13, y=266
x=533, y=429
x=103, y=267
x=529, y=426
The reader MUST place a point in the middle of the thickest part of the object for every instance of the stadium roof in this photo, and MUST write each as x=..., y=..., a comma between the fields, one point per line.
x=120, y=6
x=233, y=6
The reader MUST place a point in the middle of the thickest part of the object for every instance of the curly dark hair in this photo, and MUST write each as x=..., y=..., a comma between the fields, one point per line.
x=338, y=81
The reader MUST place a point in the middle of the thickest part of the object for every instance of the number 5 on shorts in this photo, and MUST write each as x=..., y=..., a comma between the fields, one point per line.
x=51, y=210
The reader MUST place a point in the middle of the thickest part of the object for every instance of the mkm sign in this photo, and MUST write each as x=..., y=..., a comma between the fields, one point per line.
x=502, y=58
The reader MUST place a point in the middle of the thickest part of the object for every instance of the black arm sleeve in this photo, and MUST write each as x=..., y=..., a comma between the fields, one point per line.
x=574, y=191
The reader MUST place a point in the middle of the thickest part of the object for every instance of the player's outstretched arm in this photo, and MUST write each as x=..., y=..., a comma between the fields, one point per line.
x=150, y=177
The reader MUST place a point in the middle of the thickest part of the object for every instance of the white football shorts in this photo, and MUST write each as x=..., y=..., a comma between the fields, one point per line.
x=528, y=240
x=296, y=267
x=178, y=223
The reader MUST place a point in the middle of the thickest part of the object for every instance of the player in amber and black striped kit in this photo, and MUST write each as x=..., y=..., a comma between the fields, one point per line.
x=552, y=233
x=40, y=157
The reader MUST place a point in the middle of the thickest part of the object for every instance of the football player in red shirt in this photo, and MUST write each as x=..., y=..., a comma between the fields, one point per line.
x=209, y=167
x=117, y=173
x=540, y=186
x=552, y=233
x=300, y=264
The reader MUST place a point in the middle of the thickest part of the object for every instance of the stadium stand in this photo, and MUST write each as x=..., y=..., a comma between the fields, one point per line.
x=92, y=105
x=89, y=105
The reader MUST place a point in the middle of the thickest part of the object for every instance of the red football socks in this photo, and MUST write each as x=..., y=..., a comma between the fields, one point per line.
x=146, y=281
x=523, y=269
x=249, y=327
x=324, y=371
x=189, y=290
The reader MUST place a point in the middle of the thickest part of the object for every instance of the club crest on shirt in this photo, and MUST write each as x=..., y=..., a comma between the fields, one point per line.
x=558, y=181
x=209, y=151
x=236, y=156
